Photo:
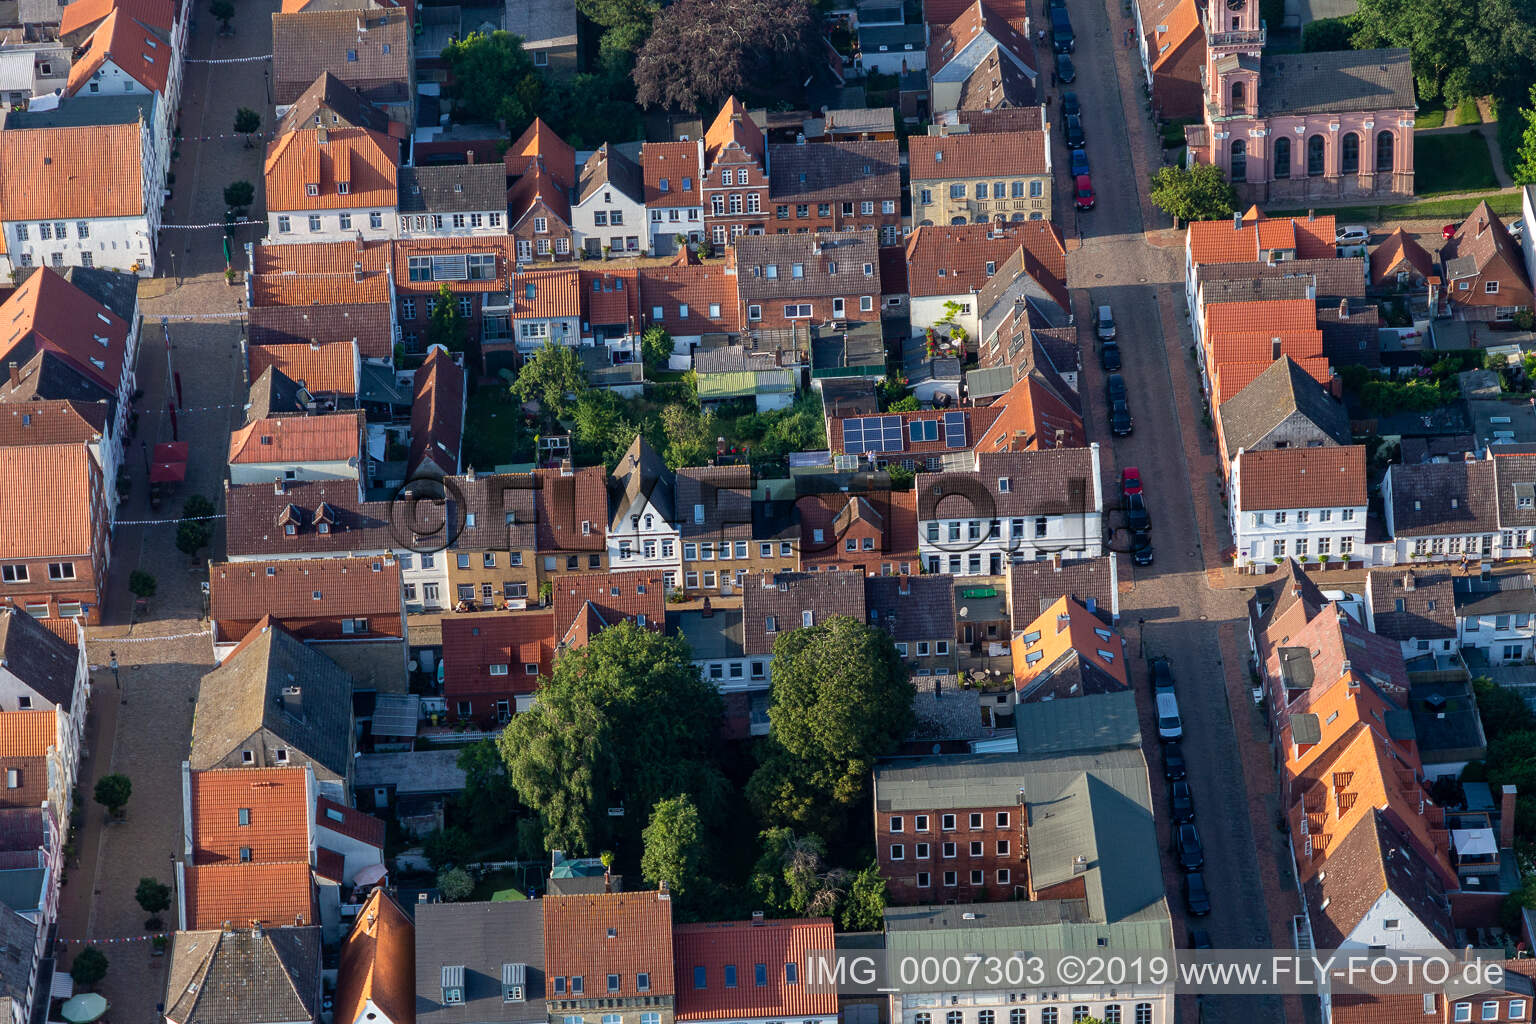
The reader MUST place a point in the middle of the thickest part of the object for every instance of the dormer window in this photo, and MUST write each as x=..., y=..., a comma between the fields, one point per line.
x=312, y=189
x=453, y=981
x=514, y=983
x=343, y=187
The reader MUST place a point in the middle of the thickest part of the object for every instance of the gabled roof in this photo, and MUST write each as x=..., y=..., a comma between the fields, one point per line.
x=998, y=83
x=912, y=608
x=1285, y=478
x=515, y=640
x=940, y=157
x=80, y=172
x=1372, y=860
x=322, y=273
x=1338, y=81
x=1444, y=497
x=333, y=437
x=378, y=964
x=310, y=596
x=611, y=933
x=703, y=289
x=136, y=37
x=610, y=297
x=976, y=31
x=733, y=128
x=242, y=703
x=945, y=260
x=276, y=895
x=538, y=186
x=593, y=601
x=608, y=168
x=37, y=657
x=719, y=946
x=244, y=976
x=48, y=313
x=1242, y=241
x=835, y=171
x=481, y=938
x=1175, y=23
x=366, y=323
x=1482, y=244
x=274, y=393
x=1283, y=389
x=331, y=94
x=320, y=369
x=260, y=815
x=437, y=414
x=830, y=264
x=369, y=50
x=1032, y=417
x=1068, y=651
x=714, y=502
x=787, y=598
x=671, y=163
x=28, y=733
x=1054, y=482
x=572, y=509
x=1427, y=599
x=1033, y=587
x=52, y=501
x=349, y=822
x=346, y=167
x=1399, y=252
x=539, y=142
x=641, y=474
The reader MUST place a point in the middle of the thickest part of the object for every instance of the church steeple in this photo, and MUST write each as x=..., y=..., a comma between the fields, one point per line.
x=1234, y=42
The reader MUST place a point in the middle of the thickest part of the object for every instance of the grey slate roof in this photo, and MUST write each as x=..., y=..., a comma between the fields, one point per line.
x=925, y=612
x=609, y=168
x=1033, y=587
x=835, y=171
x=414, y=771
x=16, y=932
x=117, y=291
x=95, y=110
x=641, y=473
x=37, y=656
x=341, y=104
x=723, y=494
x=453, y=188
x=1362, y=866
x=1283, y=388
x=47, y=375
x=1510, y=594
x=1339, y=81
x=862, y=119
x=1003, y=929
x=1428, y=608
x=1444, y=498
x=1097, y=721
x=275, y=393
x=989, y=382
x=480, y=938
x=244, y=977
x=243, y=698
x=1515, y=477
x=714, y=637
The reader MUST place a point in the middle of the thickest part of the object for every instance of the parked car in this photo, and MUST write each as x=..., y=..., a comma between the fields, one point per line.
x=1104, y=323
x=1174, y=765
x=1141, y=548
x=1063, y=40
x=1137, y=518
x=1079, y=162
x=1072, y=129
x=1069, y=103
x=1448, y=231
x=1109, y=356
x=1084, y=199
x=1130, y=481
x=1517, y=228
x=1188, y=848
x=1120, y=422
x=1162, y=674
x=1181, y=801
x=1169, y=725
x=1199, y=938
x=1197, y=898
x=1066, y=72
x=1352, y=234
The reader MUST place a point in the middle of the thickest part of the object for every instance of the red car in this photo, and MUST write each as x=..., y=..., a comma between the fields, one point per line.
x=1085, y=197
x=1130, y=481
x=1448, y=231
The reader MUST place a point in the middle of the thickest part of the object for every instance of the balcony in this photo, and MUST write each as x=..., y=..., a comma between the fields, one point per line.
x=1251, y=39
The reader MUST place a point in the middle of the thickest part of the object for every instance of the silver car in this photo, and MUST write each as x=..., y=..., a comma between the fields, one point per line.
x=1104, y=323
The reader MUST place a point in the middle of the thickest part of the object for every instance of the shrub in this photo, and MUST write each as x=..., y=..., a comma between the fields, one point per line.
x=455, y=885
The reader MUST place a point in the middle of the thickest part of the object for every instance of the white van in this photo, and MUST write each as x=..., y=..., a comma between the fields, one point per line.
x=1169, y=725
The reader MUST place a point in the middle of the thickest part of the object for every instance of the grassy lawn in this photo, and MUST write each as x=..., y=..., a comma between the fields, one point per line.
x=1429, y=116
x=1466, y=112
x=1451, y=163
x=501, y=887
x=494, y=432
x=1505, y=204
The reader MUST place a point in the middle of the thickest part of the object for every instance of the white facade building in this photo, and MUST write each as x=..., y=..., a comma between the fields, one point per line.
x=1306, y=503
x=608, y=210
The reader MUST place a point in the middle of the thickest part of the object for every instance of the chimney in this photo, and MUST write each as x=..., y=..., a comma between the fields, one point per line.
x=1079, y=864
x=1237, y=220
x=255, y=929
x=663, y=892
x=1056, y=561
x=566, y=469
x=278, y=487
x=357, y=271
x=708, y=611
x=1408, y=581
x=293, y=701
x=904, y=588
x=607, y=880
x=1336, y=386
x=15, y=373
x=757, y=918
x=321, y=135
x=469, y=156
x=1507, y=819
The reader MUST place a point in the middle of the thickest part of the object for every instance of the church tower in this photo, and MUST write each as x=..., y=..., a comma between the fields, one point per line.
x=1234, y=41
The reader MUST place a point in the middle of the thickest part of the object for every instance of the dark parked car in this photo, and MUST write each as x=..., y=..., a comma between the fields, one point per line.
x=1174, y=765
x=1066, y=71
x=1069, y=104
x=1109, y=356
x=1079, y=162
x=1199, y=938
x=1063, y=40
x=1141, y=548
x=1114, y=388
x=1188, y=848
x=1162, y=674
x=1120, y=422
x=1072, y=128
x=1197, y=898
x=1181, y=802
x=1136, y=516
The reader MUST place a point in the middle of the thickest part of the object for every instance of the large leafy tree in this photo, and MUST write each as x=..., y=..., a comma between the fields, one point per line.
x=1525, y=158
x=1200, y=192
x=604, y=427
x=690, y=435
x=701, y=51
x=840, y=698
x=1458, y=50
x=626, y=721
x=552, y=376
x=494, y=78
x=446, y=327
x=674, y=851
x=793, y=879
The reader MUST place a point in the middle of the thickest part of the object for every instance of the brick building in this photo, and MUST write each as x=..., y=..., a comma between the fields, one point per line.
x=492, y=664
x=54, y=527
x=836, y=186
x=734, y=186
x=785, y=280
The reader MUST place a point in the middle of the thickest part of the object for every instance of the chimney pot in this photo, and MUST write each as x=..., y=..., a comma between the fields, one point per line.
x=1507, y=818
x=15, y=373
x=278, y=486
x=1408, y=581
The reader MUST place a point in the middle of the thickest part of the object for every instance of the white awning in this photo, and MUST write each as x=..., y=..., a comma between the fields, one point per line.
x=1474, y=842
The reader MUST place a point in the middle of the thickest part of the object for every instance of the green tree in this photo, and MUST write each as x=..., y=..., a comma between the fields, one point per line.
x=1525, y=157
x=602, y=427
x=625, y=721
x=224, y=10
x=1200, y=192
x=487, y=802
x=238, y=195
x=446, y=847
x=446, y=327
x=864, y=909
x=89, y=967
x=493, y=79
x=656, y=348
x=840, y=697
x=455, y=885
x=1327, y=35
x=155, y=897
x=674, y=851
x=113, y=791
x=193, y=533
x=247, y=123
x=553, y=377
x=142, y=584
x=690, y=435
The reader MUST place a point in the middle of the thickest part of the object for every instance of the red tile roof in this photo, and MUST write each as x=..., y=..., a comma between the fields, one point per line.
x=733, y=126
x=323, y=369
x=366, y=323
x=365, y=162
x=1398, y=252
x=943, y=260
x=671, y=162
x=1302, y=477
x=572, y=511
x=274, y=803
x=472, y=644
x=614, y=596
x=49, y=492
x=1031, y=418
x=65, y=173
x=944, y=12
x=934, y=157
x=610, y=297
x=979, y=17
x=741, y=945
x=237, y=894
x=592, y=936
x=296, y=439
x=701, y=287
x=1223, y=241
x=47, y=313
x=540, y=141
x=556, y=293
x=324, y=273
x=538, y=186
x=349, y=821
x=378, y=964
x=241, y=593
x=60, y=421
x=27, y=733
x=136, y=37
x=437, y=413
x=499, y=246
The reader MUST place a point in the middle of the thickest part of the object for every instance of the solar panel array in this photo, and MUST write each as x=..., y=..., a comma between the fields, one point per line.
x=872, y=434
x=923, y=430
x=954, y=430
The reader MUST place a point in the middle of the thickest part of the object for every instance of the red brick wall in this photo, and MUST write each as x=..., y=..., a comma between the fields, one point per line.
x=821, y=308
x=902, y=875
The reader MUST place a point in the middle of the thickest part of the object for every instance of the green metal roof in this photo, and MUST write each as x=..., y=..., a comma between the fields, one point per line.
x=732, y=384
x=1098, y=721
